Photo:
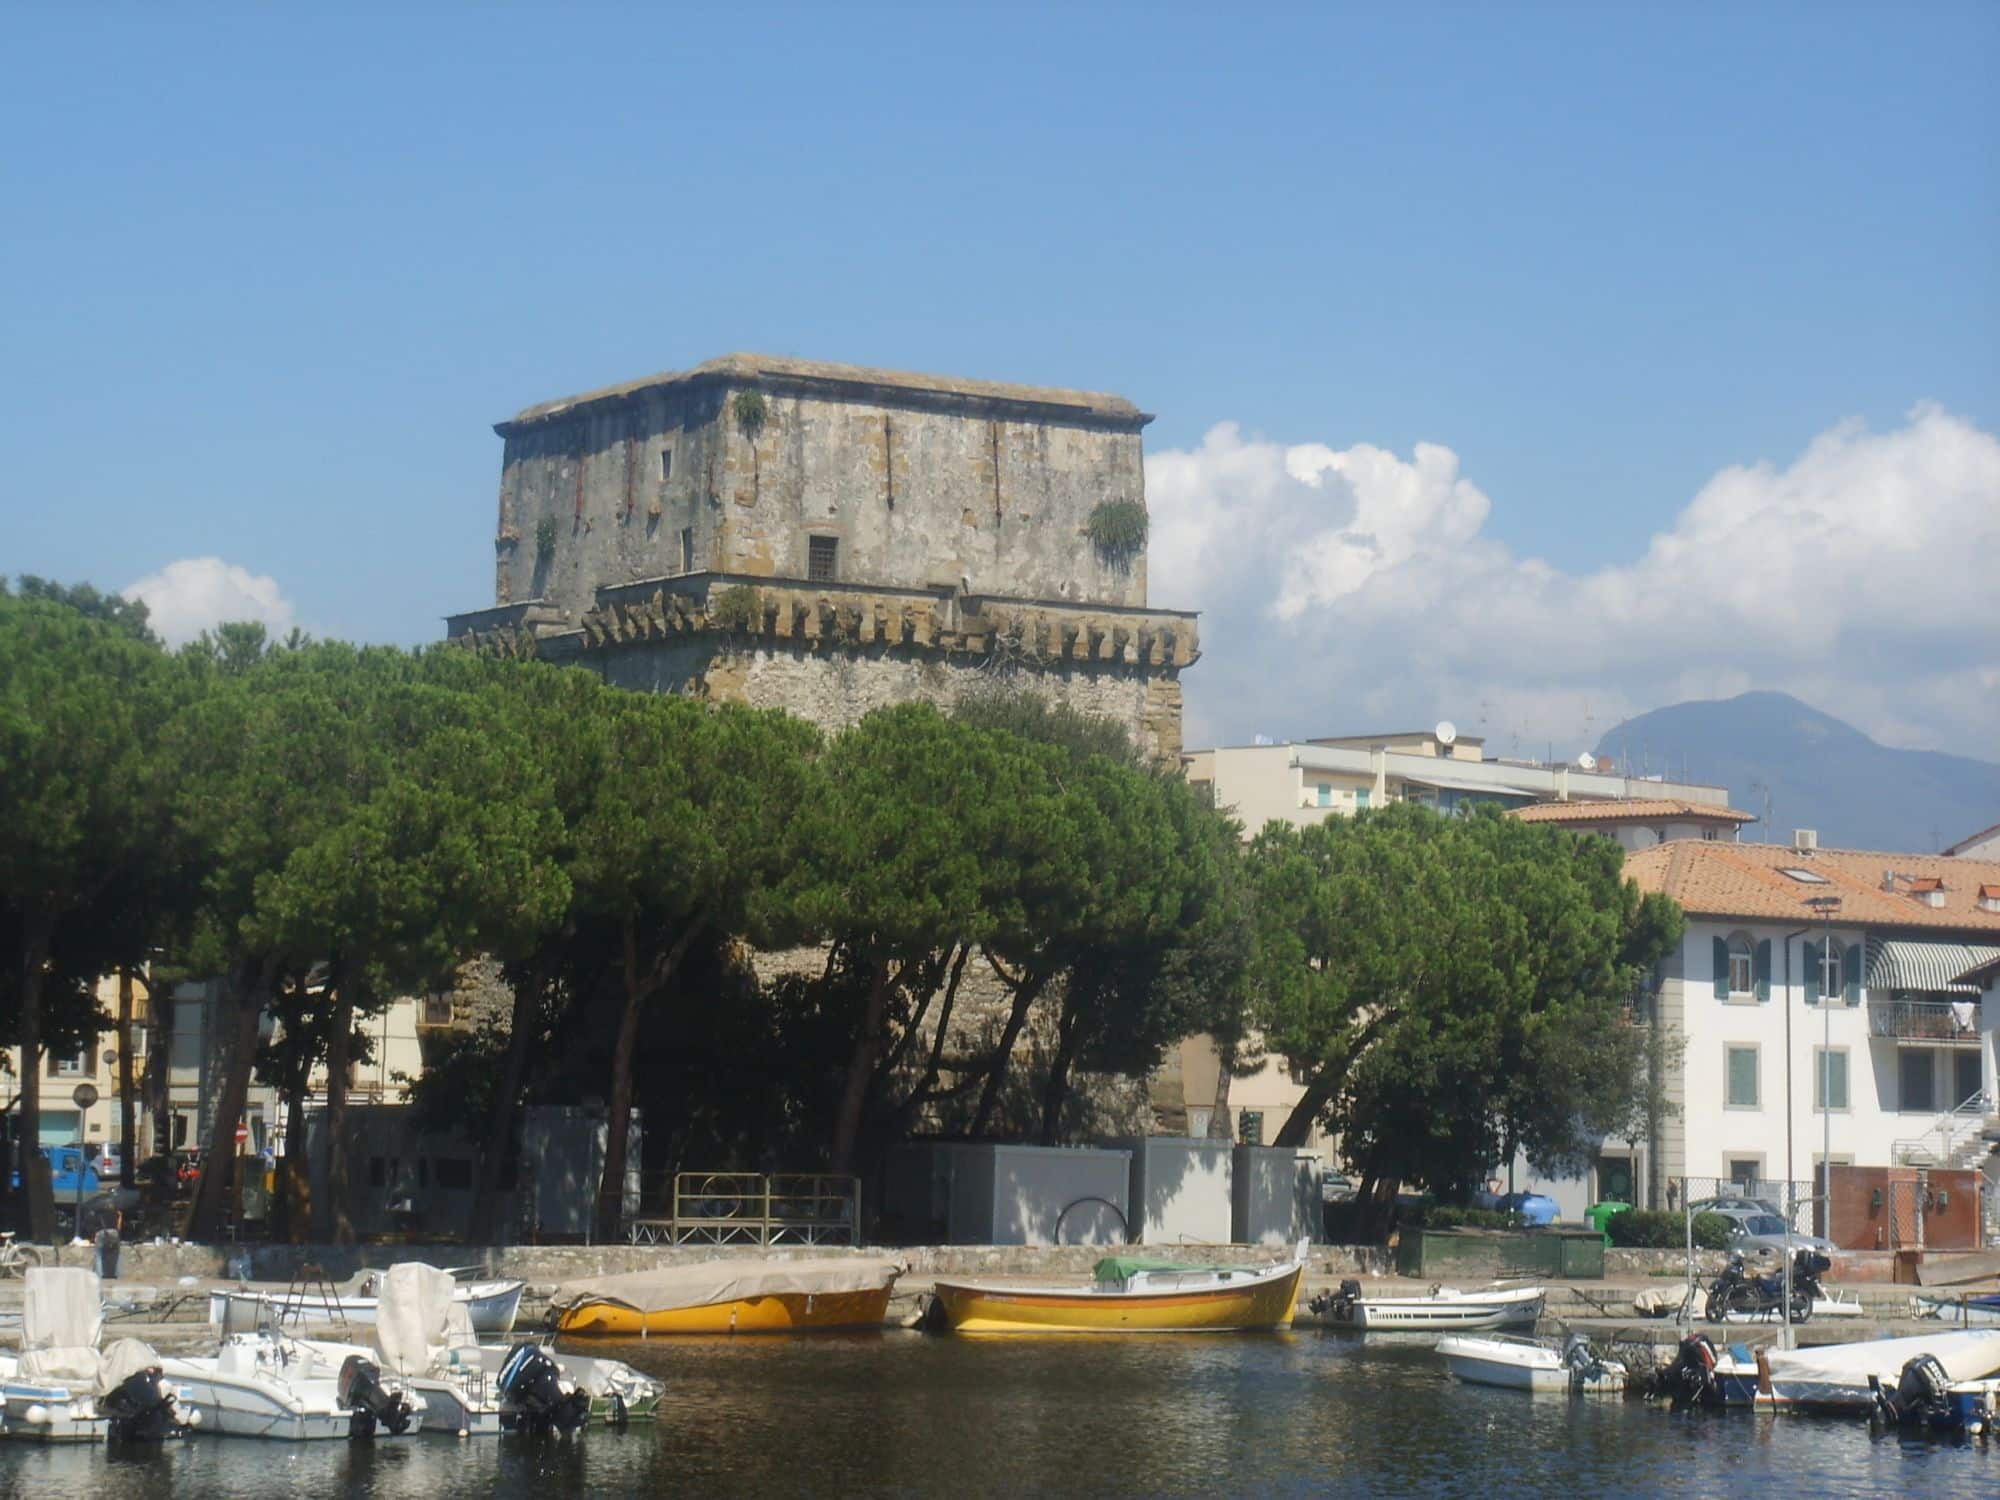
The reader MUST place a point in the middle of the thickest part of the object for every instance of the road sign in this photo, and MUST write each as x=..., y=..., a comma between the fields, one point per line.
x=85, y=1095
x=242, y=1134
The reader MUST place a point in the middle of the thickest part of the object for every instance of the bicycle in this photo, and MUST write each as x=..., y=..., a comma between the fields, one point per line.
x=16, y=1260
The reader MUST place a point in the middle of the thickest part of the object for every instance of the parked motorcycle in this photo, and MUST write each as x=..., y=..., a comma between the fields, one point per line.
x=1738, y=1291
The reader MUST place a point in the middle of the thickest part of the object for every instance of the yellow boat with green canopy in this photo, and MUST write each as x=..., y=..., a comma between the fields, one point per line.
x=1133, y=1294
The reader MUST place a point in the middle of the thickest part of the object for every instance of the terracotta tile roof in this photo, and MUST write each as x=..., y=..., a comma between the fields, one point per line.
x=1747, y=880
x=1629, y=810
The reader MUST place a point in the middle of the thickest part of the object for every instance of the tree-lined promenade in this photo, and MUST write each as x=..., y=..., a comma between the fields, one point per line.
x=320, y=827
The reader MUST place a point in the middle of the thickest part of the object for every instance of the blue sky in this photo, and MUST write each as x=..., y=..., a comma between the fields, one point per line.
x=270, y=275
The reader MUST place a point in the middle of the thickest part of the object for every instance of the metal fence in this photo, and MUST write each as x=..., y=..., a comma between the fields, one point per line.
x=755, y=1208
x=1741, y=1200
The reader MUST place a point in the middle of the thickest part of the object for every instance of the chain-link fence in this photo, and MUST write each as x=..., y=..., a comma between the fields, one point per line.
x=1746, y=1202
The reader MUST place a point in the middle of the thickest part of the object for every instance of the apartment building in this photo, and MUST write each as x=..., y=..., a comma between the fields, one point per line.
x=1308, y=781
x=1828, y=1005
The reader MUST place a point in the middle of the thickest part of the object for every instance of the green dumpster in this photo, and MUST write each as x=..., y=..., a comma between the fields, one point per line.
x=1600, y=1215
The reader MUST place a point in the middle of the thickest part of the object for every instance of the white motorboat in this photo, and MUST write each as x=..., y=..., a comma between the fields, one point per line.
x=1531, y=1365
x=267, y=1384
x=1980, y=1310
x=64, y=1389
x=1844, y=1377
x=491, y=1306
x=424, y=1340
x=618, y=1393
x=1440, y=1308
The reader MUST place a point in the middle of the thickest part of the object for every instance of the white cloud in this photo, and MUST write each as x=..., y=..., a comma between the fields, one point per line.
x=198, y=593
x=1351, y=589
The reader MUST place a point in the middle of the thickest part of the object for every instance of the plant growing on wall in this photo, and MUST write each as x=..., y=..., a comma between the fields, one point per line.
x=752, y=411
x=545, y=541
x=735, y=608
x=1117, y=528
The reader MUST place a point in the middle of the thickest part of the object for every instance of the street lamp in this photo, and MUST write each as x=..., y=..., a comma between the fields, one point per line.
x=1825, y=906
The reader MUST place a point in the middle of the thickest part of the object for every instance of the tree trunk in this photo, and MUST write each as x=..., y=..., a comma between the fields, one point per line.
x=500, y=1136
x=249, y=990
x=37, y=931
x=1219, y=1128
x=294, y=1169
x=638, y=989
x=127, y=1105
x=1299, y=1123
x=160, y=1066
x=1025, y=996
x=337, y=1214
x=860, y=1068
x=1055, y=1091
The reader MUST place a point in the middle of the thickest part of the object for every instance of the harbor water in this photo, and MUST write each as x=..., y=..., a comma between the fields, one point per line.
x=1304, y=1413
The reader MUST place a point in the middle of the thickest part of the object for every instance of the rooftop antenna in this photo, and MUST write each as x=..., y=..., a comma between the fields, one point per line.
x=1758, y=786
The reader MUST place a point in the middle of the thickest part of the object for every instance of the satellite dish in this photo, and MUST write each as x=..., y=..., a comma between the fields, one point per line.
x=1586, y=762
x=1446, y=731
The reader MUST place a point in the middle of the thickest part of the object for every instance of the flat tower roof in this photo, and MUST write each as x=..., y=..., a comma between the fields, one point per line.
x=782, y=371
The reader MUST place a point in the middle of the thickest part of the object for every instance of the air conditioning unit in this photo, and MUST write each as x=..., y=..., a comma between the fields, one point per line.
x=1806, y=838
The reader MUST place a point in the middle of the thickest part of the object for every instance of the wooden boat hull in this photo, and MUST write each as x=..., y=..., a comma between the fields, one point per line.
x=1257, y=1305
x=784, y=1313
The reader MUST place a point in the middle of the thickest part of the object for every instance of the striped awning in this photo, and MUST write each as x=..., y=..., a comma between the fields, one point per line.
x=1899, y=964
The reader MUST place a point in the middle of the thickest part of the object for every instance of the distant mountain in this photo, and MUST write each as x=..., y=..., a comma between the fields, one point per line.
x=1822, y=774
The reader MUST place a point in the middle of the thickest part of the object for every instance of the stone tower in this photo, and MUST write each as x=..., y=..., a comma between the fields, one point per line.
x=828, y=539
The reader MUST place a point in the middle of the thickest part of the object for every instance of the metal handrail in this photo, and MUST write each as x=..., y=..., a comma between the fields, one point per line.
x=756, y=1208
x=1950, y=1129
x=1920, y=1020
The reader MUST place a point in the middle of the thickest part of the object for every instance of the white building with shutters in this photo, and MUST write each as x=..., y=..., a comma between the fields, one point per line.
x=1865, y=1022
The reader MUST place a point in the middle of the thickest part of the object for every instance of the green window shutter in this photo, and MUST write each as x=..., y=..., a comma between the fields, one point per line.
x=1721, y=969
x=1836, y=1080
x=1850, y=973
x=1742, y=1082
x=1761, y=964
x=1812, y=971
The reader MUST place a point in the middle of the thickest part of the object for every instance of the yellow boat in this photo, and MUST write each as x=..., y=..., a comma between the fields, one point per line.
x=730, y=1296
x=1131, y=1295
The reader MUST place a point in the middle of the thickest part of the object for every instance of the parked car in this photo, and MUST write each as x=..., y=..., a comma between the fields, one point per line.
x=1755, y=1230
x=1335, y=1187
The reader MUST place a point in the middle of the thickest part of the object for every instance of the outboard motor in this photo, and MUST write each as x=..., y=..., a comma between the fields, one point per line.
x=361, y=1391
x=530, y=1380
x=1338, y=1305
x=1922, y=1398
x=140, y=1409
x=1691, y=1379
x=1581, y=1360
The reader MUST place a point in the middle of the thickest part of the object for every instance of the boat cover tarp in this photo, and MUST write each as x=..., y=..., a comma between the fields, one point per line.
x=1972, y=1355
x=1124, y=1267
x=711, y=1281
x=413, y=1316
x=62, y=1308
x=124, y=1358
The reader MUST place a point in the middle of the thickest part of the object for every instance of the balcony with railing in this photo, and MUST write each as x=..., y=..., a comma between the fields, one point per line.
x=1939, y=1021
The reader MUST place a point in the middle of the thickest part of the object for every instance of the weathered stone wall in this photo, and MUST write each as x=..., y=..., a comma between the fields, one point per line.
x=917, y=488
x=833, y=689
